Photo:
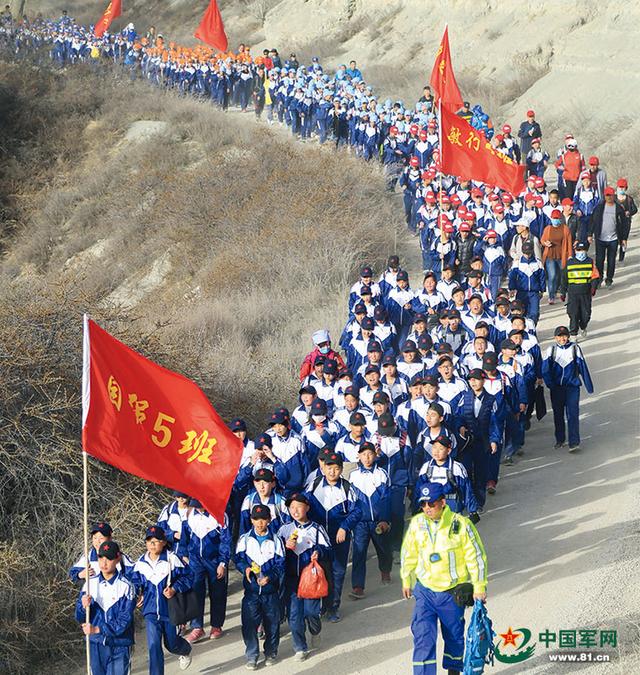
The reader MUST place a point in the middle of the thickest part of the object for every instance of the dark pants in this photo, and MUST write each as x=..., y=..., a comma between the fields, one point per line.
x=431, y=606
x=531, y=301
x=205, y=577
x=159, y=631
x=260, y=609
x=339, y=562
x=302, y=613
x=363, y=533
x=566, y=400
x=397, y=516
x=608, y=249
x=109, y=660
x=578, y=310
x=476, y=462
x=569, y=188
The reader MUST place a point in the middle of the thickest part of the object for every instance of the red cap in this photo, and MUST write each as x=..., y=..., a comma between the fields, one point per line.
x=498, y=208
x=538, y=201
x=593, y=160
x=448, y=227
x=423, y=135
x=539, y=181
x=393, y=130
x=530, y=113
x=494, y=197
x=445, y=199
x=461, y=211
x=477, y=192
x=413, y=129
x=491, y=233
x=414, y=161
x=443, y=220
x=465, y=227
x=535, y=140
x=622, y=182
x=499, y=137
x=585, y=174
x=567, y=202
x=507, y=198
x=432, y=124
x=430, y=198
x=529, y=197
x=506, y=128
x=470, y=216
x=609, y=191
x=556, y=213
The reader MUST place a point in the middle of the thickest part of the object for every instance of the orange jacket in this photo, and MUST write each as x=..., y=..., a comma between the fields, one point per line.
x=567, y=244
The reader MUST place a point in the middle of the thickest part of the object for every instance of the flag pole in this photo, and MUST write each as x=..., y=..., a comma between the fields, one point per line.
x=440, y=182
x=85, y=476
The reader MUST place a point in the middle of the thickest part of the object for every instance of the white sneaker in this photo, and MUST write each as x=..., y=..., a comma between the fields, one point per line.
x=184, y=661
x=300, y=656
x=583, y=333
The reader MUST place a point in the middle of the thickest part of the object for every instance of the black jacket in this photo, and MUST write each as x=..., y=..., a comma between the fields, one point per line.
x=622, y=223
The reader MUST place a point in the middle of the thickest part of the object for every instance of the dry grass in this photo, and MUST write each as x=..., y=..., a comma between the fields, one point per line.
x=263, y=237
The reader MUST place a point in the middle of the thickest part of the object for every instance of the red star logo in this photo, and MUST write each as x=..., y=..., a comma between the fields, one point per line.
x=509, y=637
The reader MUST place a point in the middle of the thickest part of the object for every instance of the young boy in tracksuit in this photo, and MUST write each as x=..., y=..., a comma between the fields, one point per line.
x=110, y=597
x=562, y=369
x=334, y=504
x=209, y=550
x=157, y=576
x=171, y=520
x=442, y=468
x=527, y=278
x=373, y=489
x=260, y=559
x=264, y=493
x=101, y=532
x=304, y=541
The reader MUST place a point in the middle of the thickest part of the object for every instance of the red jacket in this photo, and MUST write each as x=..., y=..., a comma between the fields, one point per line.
x=307, y=364
x=573, y=163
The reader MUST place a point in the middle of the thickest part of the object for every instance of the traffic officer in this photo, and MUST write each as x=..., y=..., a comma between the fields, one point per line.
x=579, y=282
x=441, y=552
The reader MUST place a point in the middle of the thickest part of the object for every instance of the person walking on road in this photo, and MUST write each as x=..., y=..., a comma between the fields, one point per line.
x=630, y=209
x=444, y=566
x=579, y=282
x=529, y=130
x=610, y=228
x=562, y=369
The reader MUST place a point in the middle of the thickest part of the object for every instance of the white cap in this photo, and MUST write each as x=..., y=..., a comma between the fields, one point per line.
x=321, y=336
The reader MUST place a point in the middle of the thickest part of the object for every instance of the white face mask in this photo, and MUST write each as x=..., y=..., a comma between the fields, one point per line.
x=318, y=419
x=622, y=192
x=581, y=255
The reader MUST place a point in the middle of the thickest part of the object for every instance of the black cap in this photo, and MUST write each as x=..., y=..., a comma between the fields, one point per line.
x=381, y=397
x=502, y=301
x=443, y=440
x=357, y=419
x=380, y=313
x=371, y=368
x=457, y=289
x=515, y=331
x=409, y=346
x=264, y=439
x=402, y=275
x=386, y=424
x=430, y=379
x=319, y=407
x=561, y=330
x=454, y=314
x=261, y=511
x=319, y=360
x=474, y=274
x=351, y=390
x=476, y=374
x=416, y=380
x=238, y=424
x=582, y=246
x=419, y=317
x=374, y=346
x=330, y=367
x=308, y=390
x=103, y=527
x=365, y=290
x=333, y=458
x=366, y=271
x=298, y=497
x=109, y=550
x=177, y=493
x=527, y=247
x=367, y=445
x=425, y=342
x=389, y=360
x=482, y=324
x=508, y=344
x=437, y=408
x=444, y=348
x=359, y=308
x=278, y=417
x=489, y=361
x=156, y=532
x=264, y=474
x=367, y=323
x=393, y=261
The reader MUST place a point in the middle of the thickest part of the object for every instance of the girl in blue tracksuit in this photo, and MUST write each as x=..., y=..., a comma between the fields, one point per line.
x=373, y=490
x=260, y=559
x=527, y=279
x=209, y=549
x=158, y=575
x=493, y=262
x=335, y=505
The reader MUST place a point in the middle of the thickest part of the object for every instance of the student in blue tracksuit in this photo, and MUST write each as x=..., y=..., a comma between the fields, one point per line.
x=493, y=262
x=527, y=279
x=101, y=532
x=157, y=576
x=209, y=551
x=304, y=541
x=477, y=418
x=562, y=369
x=334, y=504
x=373, y=490
x=110, y=597
x=171, y=520
x=265, y=493
x=289, y=448
x=260, y=559
x=442, y=468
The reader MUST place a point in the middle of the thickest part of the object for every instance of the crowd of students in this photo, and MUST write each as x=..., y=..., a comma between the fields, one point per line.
x=433, y=384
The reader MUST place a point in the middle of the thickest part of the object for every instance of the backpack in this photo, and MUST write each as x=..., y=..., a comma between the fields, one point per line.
x=479, y=644
x=576, y=372
x=451, y=480
x=344, y=484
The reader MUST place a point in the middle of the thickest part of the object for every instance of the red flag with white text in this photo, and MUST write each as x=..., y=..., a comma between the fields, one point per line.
x=443, y=81
x=211, y=28
x=154, y=423
x=113, y=11
x=464, y=151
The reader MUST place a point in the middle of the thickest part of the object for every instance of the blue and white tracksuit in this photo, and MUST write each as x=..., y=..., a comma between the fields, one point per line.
x=454, y=476
x=171, y=520
x=277, y=507
x=527, y=278
x=124, y=566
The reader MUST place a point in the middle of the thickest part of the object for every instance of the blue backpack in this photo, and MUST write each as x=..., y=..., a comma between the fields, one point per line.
x=479, y=645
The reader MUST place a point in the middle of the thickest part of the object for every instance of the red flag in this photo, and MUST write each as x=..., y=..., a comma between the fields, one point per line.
x=211, y=28
x=154, y=423
x=464, y=151
x=113, y=11
x=443, y=81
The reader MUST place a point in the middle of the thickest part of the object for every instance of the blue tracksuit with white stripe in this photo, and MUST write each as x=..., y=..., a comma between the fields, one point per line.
x=124, y=566
x=277, y=507
x=454, y=477
x=261, y=604
x=563, y=368
x=336, y=507
x=150, y=578
x=373, y=490
x=171, y=520
x=112, y=604
x=290, y=450
x=527, y=278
